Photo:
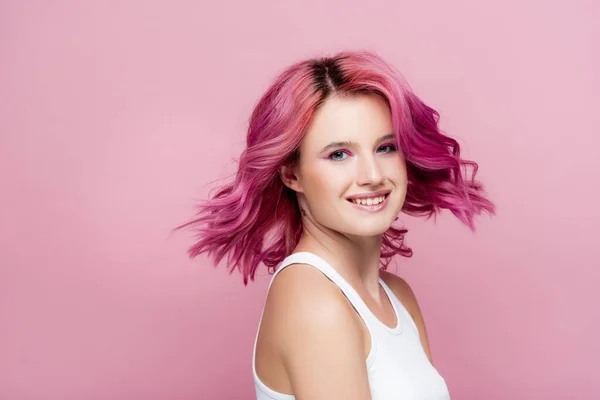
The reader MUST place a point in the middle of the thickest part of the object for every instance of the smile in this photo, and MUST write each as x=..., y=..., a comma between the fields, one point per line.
x=369, y=201
x=372, y=202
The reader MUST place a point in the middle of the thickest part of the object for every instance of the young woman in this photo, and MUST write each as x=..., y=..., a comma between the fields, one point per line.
x=336, y=148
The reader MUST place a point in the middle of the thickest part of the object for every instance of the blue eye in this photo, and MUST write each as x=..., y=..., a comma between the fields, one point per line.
x=338, y=155
x=390, y=146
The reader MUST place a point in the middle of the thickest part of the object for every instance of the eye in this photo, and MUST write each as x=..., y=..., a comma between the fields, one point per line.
x=390, y=148
x=338, y=155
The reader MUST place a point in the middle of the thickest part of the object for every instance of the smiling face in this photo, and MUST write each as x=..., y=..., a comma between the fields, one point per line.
x=349, y=150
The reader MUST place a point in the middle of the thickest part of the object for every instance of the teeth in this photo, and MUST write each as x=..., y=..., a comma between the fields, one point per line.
x=370, y=201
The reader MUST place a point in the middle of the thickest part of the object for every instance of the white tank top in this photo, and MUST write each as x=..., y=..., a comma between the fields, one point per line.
x=397, y=365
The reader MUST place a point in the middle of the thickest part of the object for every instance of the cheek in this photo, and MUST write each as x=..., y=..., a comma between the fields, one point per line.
x=326, y=184
x=395, y=169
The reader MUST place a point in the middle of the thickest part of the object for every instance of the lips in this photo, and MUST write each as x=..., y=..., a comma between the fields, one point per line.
x=370, y=204
x=366, y=196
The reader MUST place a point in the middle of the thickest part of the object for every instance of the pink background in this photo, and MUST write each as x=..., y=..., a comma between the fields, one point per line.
x=115, y=116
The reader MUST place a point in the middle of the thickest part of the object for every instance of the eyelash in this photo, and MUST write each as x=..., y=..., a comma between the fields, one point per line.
x=391, y=146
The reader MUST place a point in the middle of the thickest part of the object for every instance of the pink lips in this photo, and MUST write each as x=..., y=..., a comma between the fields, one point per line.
x=378, y=193
x=373, y=207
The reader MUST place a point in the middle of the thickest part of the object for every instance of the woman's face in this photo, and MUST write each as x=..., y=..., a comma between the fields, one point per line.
x=349, y=150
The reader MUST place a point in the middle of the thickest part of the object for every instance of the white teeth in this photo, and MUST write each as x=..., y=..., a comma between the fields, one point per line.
x=370, y=201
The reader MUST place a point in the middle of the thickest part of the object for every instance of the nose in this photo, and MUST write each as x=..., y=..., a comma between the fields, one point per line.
x=368, y=171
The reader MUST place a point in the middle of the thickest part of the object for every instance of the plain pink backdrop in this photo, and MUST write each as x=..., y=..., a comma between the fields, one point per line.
x=116, y=115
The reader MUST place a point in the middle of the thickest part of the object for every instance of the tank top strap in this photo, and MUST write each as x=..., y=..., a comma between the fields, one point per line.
x=334, y=276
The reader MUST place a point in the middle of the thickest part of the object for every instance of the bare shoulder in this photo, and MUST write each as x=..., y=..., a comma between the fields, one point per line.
x=407, y=297
x=401, y=289
x=317, y=335
x=301, y=293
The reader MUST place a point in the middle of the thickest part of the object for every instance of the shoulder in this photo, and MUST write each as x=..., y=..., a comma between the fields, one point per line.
x=407, y=297
x=401, y=289
x=301, y=296
x=316, y=333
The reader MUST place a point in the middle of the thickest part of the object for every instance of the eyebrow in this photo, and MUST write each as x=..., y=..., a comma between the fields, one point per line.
x=350, y=143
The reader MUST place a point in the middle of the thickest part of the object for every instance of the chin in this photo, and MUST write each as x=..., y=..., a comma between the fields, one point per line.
x=370, y=230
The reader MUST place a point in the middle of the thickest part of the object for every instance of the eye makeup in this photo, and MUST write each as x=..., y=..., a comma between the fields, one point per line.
x=334, y=155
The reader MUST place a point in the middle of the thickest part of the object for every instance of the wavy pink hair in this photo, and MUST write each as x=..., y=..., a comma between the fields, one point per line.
x=256, y=218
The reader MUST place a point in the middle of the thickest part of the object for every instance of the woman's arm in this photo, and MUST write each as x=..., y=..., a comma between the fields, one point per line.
x=323, y=346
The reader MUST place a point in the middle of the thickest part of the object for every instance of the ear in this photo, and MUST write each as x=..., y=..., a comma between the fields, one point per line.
x=290, y=178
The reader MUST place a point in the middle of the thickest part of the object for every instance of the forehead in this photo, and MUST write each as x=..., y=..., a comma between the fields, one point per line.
x=360, y=118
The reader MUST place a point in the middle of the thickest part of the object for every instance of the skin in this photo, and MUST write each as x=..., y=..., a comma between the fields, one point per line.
x=312, y=342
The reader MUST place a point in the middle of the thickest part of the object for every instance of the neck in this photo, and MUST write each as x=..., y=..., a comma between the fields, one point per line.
x=356, y=258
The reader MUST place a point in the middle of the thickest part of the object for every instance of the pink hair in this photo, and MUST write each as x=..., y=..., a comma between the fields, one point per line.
x=240, y=218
